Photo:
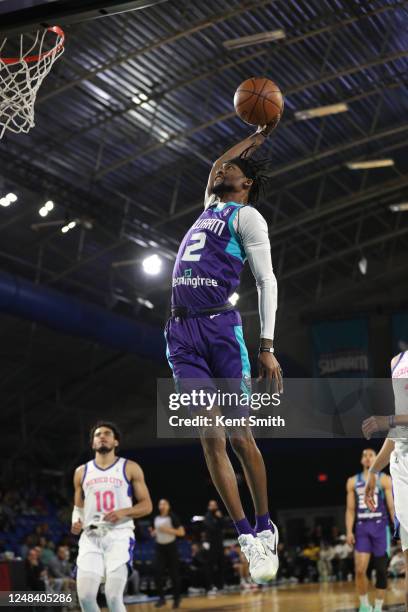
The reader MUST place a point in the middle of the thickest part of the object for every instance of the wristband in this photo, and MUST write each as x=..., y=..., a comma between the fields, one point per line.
x=373, y=471
x=266, y=349
x=77, y=515
x=391, y=420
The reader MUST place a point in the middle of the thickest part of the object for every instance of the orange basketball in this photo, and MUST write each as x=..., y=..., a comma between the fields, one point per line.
x=258, y=101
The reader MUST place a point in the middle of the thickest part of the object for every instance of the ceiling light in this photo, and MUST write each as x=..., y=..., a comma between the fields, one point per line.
x=321, y=111
x=254, y=39
x=65, y=229
x=43, y=212
x=362, y=264
x=139, y=98
x=4, y=202
x=398, y=207
x=11, y=197
x=146, y=303
x=71, y=224
x=372, y=163
x=234, y=298
x=49, y=205
x=152, y=264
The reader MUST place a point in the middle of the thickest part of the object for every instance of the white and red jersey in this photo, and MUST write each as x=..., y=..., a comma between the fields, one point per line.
x=106, y=490
x=400, y=386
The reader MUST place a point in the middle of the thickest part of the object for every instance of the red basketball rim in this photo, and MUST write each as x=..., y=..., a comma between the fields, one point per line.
x=36, y=58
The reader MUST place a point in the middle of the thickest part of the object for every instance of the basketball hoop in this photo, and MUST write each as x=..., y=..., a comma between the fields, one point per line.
x=21, y=78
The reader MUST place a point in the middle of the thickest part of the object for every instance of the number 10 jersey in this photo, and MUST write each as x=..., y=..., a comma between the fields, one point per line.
x=210, y=259
x=106, y=490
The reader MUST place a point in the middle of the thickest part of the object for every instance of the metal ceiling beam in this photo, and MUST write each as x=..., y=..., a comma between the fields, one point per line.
x=336, y=205
x=287, y=167
x=173, y=37
x=344, y=253
x=107, y=117
x=225, y=116
x=66, y=12
x=63, y=138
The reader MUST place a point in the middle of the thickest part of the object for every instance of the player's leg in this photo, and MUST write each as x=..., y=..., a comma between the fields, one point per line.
x=222, y=473
x=381, y=550
x=361, y=561
x=159, y=568
x=173, y=566
x=253, y=465
x=115, y=587
x=189, y=352
x=380, y=564
x=189, y=358
x=91, y=568
x=87, y=587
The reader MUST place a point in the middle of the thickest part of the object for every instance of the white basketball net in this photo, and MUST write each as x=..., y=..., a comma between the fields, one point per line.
x=21, y=78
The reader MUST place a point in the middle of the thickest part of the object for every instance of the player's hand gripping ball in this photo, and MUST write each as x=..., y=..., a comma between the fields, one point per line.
x=259, y=101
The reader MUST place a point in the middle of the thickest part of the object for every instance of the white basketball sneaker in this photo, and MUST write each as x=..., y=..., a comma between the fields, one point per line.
x=261, y=566
x=270, y=541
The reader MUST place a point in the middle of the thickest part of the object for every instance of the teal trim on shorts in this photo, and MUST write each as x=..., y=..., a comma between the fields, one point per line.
x=245, y=365
x=388, y=532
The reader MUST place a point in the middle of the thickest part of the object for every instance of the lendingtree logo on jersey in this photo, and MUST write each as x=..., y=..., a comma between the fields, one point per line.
x=194, y=281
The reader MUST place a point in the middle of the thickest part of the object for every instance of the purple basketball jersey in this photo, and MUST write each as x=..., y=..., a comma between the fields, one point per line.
x=209, y=260
x=363, y=512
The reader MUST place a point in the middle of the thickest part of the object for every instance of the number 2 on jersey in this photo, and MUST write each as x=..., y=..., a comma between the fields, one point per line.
x=108, y=501
x=190, y=253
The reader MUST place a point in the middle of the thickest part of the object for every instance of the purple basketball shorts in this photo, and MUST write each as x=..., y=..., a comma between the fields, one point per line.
x=201, y=349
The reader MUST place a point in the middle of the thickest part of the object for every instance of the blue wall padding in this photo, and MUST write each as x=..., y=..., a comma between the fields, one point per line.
x=72, y=316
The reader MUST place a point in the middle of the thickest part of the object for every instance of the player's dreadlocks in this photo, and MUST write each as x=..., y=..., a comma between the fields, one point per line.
x=255, y=169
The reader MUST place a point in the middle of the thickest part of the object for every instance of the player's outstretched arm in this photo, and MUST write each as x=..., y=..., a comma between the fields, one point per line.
x=381, y=461
x=253, y=231
x=245, y=148
x=77, y=521
x=350, y=510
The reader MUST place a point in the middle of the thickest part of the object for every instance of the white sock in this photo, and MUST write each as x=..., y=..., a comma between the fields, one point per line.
x=364, y=600
x=378, y=604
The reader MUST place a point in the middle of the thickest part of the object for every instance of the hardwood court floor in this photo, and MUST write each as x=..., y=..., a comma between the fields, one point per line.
x=332, y=597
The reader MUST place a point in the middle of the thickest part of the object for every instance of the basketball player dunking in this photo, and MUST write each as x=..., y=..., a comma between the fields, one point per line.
x=104, y=512
x=394, y=452
x=204, y=334
x=372, y=533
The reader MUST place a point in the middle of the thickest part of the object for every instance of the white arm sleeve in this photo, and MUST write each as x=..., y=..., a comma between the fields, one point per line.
x=253, y=231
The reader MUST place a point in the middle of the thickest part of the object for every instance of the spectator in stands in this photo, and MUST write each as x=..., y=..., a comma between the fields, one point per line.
x=324, y=564
x=214, y=526
x=47, y=554
x=167, y=528
x=309, y=558
x=199, y=569
x=286, y=570
x=28, y=543
x=60, y=571
x=240, y=566
x=35, y=571
x=343, y=558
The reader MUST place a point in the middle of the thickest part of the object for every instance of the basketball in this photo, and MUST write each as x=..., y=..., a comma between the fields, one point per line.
x=258, y=101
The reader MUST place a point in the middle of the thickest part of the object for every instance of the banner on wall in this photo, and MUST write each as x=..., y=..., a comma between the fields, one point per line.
x=399, y=323
x=340, y=348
